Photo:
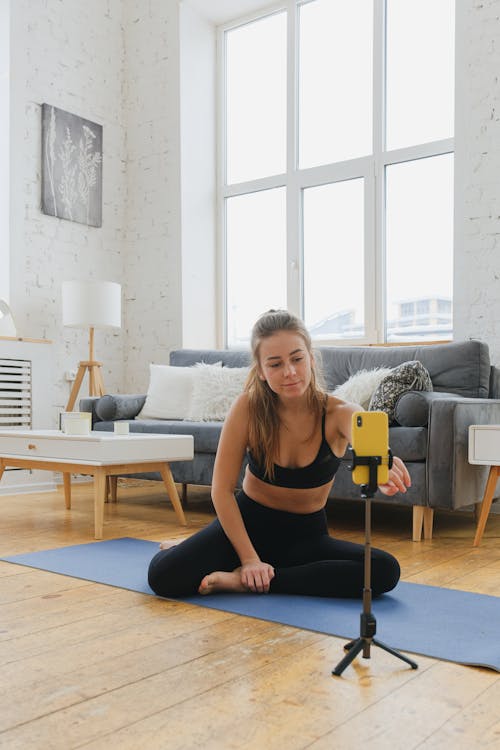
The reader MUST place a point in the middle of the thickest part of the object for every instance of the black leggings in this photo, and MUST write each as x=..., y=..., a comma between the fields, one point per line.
x=306, y=560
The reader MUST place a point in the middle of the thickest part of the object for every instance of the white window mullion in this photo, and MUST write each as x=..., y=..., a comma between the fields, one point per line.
x=253, y=186
x=293, y=193
x=376, y=240
x=221, y=255
x=343, y=170
x=371, y=280
x=420, y=151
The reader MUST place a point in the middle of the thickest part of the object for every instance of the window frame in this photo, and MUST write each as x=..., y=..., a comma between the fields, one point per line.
x=295, y=180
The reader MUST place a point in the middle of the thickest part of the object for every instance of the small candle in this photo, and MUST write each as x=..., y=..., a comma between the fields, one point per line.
x=121, y=428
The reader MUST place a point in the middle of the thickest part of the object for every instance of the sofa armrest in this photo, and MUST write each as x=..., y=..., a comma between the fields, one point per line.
x=494, y=382
x=452, y=481
x=413, y=407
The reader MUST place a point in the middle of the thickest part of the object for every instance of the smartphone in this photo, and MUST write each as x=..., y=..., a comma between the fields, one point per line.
x=370, y=437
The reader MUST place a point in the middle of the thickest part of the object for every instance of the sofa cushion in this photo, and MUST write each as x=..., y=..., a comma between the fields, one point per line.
x=119, y=407
x=409, y=376
x=409, y=443
x=214, y=390
x=360, y=387
x=228, y=357
x=169, y=392
x=460, y=367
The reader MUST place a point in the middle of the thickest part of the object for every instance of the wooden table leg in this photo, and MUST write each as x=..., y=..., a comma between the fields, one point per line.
x=67, y=489
x=113, y=486
x=99, y=497
x=2, y=468
x=172, y=492
x=486, y=504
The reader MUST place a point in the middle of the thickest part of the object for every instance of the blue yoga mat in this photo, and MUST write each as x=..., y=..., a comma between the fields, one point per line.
x=443, y=623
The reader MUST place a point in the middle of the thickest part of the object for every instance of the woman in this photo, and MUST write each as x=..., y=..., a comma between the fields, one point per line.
x=274, y=536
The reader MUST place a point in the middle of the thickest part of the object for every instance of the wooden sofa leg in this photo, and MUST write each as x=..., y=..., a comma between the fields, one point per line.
x=423, y=517
x=428, y=522
x=418, y=520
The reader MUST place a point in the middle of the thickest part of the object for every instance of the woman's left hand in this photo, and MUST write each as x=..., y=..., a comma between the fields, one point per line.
x=399, y=478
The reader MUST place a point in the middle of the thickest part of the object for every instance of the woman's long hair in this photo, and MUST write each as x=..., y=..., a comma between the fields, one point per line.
x=264, y=419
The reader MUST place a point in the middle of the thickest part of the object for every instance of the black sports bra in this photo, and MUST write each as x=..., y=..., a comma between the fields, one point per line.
x=319, y=472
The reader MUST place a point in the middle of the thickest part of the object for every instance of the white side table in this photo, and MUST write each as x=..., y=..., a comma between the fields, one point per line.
x=484, y=448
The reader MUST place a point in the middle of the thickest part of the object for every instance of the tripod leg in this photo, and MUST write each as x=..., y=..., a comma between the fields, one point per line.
x=394, y=652
x=356, y=647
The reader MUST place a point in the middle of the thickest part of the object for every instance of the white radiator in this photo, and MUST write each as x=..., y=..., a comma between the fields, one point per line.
x=16, y=394
x=26, y=402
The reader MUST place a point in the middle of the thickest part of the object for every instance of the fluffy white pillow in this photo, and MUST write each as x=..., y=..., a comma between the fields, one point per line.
x=214, y=390
x=169, y=393
x=361, y=386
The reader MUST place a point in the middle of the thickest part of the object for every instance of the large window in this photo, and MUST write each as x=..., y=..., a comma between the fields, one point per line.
x=336, y=179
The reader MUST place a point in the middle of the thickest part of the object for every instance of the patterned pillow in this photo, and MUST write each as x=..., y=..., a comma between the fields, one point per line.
x=409, y=376
x=361, y=386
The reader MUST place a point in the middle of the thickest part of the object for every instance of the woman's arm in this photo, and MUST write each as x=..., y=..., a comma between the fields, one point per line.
x=255, y=574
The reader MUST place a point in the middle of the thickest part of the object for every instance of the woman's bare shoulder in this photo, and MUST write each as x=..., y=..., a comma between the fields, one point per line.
x=237, y=416
x=335, y=405
x=338, y=418
x=240, y=405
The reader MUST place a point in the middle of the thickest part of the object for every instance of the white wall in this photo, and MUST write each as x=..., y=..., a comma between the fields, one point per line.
x=4, y=149
x=68, y=54
x=153, y=272
x=477, y=182
x=198, y=180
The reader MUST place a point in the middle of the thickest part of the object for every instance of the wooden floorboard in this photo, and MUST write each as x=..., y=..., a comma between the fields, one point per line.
x=88, y=665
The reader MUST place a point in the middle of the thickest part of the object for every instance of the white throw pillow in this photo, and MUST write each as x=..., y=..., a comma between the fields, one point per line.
x=214, y=391
x=361, y=386
x=169, y=393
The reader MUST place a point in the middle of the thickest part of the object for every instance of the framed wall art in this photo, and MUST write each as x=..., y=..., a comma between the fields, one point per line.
x=71, y=167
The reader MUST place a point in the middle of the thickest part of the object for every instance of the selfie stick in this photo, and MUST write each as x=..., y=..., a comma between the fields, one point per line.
x=368, y=623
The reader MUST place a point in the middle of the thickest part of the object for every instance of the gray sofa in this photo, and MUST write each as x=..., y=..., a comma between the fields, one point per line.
x=430, y=433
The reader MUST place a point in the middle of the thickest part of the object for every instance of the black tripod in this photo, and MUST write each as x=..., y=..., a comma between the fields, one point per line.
x=368, y=623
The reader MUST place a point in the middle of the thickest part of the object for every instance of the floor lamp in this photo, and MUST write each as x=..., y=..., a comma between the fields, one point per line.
x=90, y=304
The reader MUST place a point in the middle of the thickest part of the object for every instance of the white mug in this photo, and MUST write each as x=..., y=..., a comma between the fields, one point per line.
x=121, y=428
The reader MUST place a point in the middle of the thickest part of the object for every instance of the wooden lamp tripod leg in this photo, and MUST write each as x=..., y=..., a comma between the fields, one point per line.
x=96, y=383
x=76, y=387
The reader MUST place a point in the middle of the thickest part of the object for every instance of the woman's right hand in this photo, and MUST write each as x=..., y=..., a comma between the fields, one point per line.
x=256, y=576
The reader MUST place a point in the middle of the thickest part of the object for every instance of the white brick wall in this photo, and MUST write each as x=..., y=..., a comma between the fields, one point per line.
x=153, y=265
x=116, y=64
x=69, y=54
x=477, y=146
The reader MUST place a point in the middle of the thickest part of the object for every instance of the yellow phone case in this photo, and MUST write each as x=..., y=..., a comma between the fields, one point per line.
x=370, y=437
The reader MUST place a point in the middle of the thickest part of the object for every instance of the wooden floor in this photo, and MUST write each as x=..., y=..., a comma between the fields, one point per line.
x=86, y=665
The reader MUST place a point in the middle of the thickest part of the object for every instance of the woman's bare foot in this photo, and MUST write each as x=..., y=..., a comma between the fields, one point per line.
x=168, y=543
x=222, y=581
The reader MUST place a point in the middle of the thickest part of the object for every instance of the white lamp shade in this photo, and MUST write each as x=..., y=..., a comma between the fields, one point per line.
x=91, y=304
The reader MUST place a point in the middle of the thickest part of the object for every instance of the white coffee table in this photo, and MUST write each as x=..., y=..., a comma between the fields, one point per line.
x=98, y=454
x=484, y=448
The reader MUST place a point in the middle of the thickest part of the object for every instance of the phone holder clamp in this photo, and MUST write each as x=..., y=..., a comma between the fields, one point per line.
x=368, y=490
